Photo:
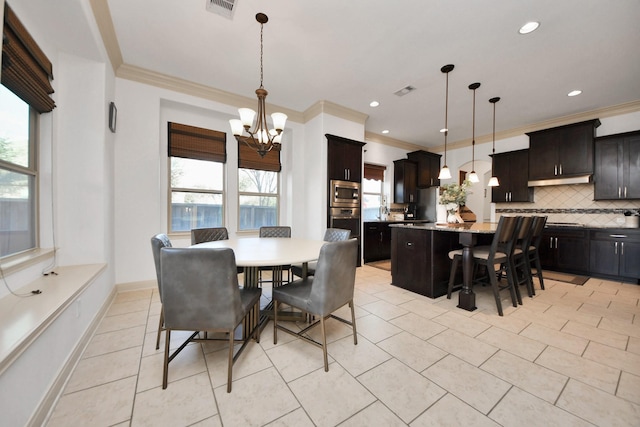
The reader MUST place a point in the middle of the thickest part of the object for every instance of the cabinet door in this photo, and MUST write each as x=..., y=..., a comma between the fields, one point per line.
x=405, y=181
x=385, y=243
x=607, y=169
x=501, y=171
x=629, y=260
x=372, y=237
x=631, y=167
x=353, y=162
x=344, y=158
x=409, y=249
x=519, y=177
x=604, y=258
x=575, y=154
x=428, y=168
x=547, y=251
x=573, y=253
x=543, y=155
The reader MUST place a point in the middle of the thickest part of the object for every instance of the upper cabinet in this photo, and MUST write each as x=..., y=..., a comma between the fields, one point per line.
x=562, y=152
x=617, y=170
x=344, y=159
x=405, y=174
x=428, y=168
x=512, y=171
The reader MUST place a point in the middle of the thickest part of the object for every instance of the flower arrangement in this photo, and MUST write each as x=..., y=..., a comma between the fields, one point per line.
x=454, y=193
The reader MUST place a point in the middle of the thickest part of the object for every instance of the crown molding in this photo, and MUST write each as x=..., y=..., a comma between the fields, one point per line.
x=102, y=15
x=381, y=139
x=328, y=107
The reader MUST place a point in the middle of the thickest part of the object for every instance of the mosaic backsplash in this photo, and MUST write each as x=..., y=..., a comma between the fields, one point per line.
x=572, y=203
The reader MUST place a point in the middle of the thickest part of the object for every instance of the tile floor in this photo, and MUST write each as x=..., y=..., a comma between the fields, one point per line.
x=568, y=357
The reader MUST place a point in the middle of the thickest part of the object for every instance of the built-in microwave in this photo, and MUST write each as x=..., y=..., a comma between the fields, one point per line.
x=344, y=194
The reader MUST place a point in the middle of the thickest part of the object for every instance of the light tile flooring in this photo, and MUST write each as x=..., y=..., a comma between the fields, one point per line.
x=568, y=357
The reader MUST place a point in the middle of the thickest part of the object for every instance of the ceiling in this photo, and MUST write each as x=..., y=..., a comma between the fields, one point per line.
x=353, y=52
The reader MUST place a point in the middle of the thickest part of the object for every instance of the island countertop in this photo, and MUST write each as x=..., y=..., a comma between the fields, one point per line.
x=467, y=227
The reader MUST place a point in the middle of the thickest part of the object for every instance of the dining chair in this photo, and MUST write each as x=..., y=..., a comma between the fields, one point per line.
x=519, y=264
x=330, y=235
x=532, y=251
x=158, y=242
x=200, y=235
x=322, y=294
x=201, y=294
x=279, y=231
x=489, y=256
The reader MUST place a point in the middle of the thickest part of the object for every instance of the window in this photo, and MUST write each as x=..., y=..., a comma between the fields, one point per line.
x=18, y=175
x=372, y=192
x=258, y=184
x=197, y=159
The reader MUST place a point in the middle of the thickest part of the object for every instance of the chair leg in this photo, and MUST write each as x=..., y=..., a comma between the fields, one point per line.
x=539, y=269
x=452, y=275
x=512, y=282
x=275, y=321
x=353, y=323
x=324, y=344
x=165, y=369
x=160, y=328
x=529, y=273
x=230, y=364
x=494, y=287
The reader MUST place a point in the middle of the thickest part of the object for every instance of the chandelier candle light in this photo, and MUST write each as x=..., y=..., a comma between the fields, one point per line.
x=473, y=176
x=445, y=173
x=260, y=139
x=493, y=182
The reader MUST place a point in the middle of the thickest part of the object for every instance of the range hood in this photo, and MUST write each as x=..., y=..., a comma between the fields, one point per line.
x=580, y=179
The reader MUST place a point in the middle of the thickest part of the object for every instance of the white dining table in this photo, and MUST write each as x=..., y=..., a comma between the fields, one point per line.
x=254, y=252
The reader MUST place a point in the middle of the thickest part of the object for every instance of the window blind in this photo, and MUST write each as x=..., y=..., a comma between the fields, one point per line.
x=26, y=70
x=250, y=159
x=374, y=172
x=193, y=142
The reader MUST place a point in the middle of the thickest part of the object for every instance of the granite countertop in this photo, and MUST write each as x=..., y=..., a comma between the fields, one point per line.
x=467, y=227
x=398, y=221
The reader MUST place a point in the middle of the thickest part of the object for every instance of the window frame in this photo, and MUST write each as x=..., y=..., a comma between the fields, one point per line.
x=257, y=194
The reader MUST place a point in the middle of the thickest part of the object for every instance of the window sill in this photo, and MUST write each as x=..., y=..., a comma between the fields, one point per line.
x=26, y=259
x=22, y=320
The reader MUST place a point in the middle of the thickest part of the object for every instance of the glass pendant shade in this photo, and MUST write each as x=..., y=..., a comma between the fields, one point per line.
x=236, y=126
x=473, y=177
x=279, y=120
x=246, y=116
x=493, y=182
x=445, y=173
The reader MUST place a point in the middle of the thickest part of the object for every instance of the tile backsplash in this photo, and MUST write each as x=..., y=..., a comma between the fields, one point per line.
x=572, y=203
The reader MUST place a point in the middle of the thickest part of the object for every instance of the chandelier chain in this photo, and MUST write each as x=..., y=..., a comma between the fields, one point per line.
x=261, y=51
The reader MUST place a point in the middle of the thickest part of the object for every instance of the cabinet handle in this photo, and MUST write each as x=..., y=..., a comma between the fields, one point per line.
x=625, y=191
x=618, y=236
x=555, y=169
x=619, y=192
x=409, y=244
x=560, y=169
x=381, y=236
x=556, y=243
x=621, y=248
x=551, y=243
x=615, y=251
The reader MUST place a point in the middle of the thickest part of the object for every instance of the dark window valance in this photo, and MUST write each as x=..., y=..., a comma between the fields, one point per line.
x=250, y=159
x=26, y=70
x=374, y=172
x=197, y=143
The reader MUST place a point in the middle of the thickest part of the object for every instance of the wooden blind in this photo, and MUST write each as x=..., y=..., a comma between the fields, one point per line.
x=250, y=159
x=374, y=172
x=197, y=143
x=26, y=70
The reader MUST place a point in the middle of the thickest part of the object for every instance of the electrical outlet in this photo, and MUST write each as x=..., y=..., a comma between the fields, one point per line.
x=620, y=220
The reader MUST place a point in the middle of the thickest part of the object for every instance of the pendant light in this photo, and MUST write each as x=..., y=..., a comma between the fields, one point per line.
x=473, y=176
x=493, y=182
x=445, y=173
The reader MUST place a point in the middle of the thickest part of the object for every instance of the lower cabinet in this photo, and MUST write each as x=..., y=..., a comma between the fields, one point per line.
x=377, y=241
x=565, y=249
x=420, y=261
x=615, y=253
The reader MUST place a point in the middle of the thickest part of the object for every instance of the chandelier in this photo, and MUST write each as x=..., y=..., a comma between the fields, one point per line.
x=261, y=139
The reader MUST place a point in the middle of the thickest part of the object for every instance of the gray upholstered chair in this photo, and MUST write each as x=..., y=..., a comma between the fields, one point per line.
x=320, y=295
x=199, y=235
x=158, y=242
x=279, y=231
x=330, y=235
x=498, y=253
x=201, y=293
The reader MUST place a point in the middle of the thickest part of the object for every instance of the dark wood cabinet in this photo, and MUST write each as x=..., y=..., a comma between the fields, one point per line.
x=405, y=181
x=377, y=241
x=563, y=151
x=428, y=168
x=617, y=167
x=344, y=159
x=512, y=170
x=565, y=249
x=615, y=253
x=420, y=261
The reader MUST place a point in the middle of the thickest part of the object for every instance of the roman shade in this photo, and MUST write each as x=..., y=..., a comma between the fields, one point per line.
x=26, y=70
x=197, y=143
x=374, y=172
x=250, y=159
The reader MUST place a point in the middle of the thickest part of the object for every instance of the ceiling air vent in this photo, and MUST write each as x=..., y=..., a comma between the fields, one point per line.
x=405, y=90
x=222, y=7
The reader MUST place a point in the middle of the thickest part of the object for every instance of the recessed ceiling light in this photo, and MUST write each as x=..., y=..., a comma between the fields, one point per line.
x=385, y=131
x=529, y=27
x=374, y=104
x=574, y=93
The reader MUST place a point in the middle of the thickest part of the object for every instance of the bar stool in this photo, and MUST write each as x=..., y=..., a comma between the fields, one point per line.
x=532, y=252
x=520, y=261
x=498, y=253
